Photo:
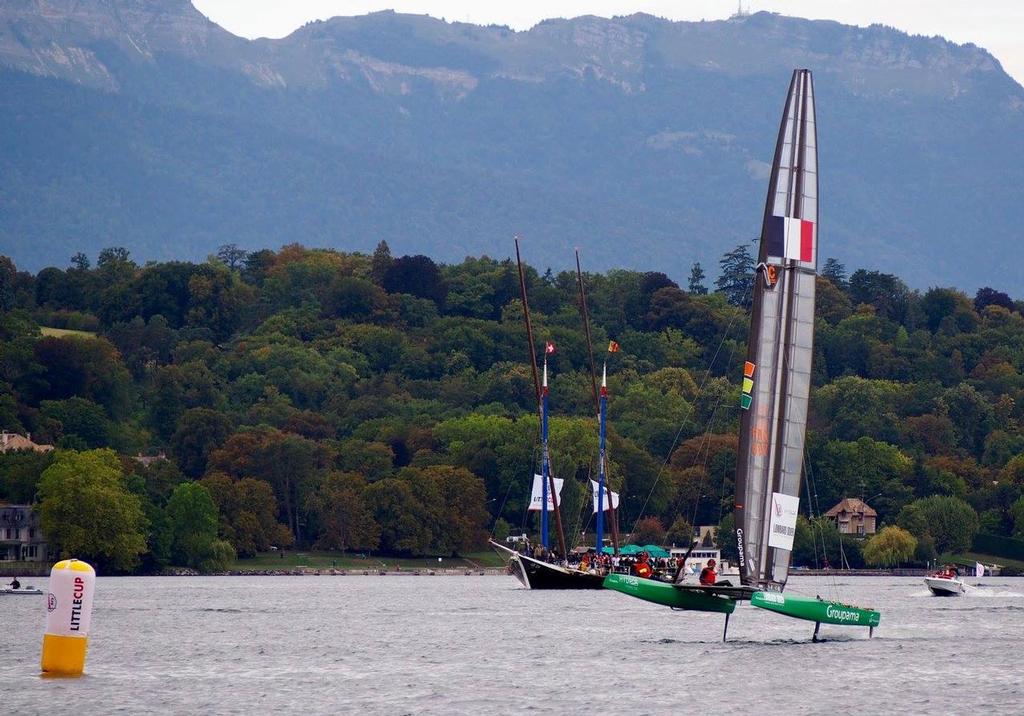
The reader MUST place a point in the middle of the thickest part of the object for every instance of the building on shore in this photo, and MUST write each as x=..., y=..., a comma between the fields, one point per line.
x=853, y=517
x=12, y=441
x=21, y=538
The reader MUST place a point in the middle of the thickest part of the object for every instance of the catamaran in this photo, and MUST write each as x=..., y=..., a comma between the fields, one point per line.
x=774, y=397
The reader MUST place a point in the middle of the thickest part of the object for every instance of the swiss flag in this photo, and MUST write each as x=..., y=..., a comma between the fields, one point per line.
x=549, y=347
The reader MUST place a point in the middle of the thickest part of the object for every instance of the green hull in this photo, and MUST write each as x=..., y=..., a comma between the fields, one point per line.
x=651, y=590
x=815, y=610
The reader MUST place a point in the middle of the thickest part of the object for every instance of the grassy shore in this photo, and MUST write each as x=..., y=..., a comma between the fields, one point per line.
x=967, y=557
x=63, y=332
x=288, y=559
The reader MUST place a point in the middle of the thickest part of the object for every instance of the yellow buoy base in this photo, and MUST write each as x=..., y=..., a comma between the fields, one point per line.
x=64, y=654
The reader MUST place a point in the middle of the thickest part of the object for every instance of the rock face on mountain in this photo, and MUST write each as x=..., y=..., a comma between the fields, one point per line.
x=141, y=123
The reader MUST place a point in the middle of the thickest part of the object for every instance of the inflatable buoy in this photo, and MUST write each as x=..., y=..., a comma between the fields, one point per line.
x=68, y=614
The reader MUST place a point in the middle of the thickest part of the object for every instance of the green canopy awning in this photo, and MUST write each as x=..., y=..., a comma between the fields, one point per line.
x=655, y=551
x=630, y=549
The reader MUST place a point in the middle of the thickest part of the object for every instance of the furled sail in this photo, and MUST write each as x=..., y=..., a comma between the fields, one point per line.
x=777, y=373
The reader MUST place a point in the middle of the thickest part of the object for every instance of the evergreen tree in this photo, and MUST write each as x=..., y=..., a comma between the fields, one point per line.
x=736, y=276
x=381, y=262
x=835, y=272
x=697, y=276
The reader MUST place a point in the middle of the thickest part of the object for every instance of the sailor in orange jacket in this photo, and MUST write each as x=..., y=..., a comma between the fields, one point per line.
x=707, y=575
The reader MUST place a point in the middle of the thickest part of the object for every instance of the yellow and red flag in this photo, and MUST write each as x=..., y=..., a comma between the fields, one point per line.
x=613, y=347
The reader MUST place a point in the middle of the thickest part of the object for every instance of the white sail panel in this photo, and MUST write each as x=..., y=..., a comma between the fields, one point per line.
x=782, y=530
x=537, y=496
x=594, y=492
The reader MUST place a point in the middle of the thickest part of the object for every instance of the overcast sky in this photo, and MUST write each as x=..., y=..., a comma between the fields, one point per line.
x=996, y=25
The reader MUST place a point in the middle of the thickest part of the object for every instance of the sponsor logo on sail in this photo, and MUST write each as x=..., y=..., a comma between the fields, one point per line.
x=739, y=546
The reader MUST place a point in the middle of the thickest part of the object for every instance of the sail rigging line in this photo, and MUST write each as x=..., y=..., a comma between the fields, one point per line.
x=537, y=391
x=692, y=407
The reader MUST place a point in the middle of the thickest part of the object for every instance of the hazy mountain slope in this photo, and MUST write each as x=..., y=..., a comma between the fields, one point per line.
x=643, y=141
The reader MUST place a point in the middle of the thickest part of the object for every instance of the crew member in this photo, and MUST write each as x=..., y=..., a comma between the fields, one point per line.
x=643, y=567
x=707, y=575
x=15, y=584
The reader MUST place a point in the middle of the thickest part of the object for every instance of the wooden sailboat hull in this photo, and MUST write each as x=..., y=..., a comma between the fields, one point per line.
x=664, y=593
x=535, y=574
x=814, y=609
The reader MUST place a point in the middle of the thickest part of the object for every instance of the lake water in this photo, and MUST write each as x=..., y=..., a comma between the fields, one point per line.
x=483, y=645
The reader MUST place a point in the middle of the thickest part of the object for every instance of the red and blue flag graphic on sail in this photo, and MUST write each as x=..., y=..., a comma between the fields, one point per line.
x=791, y=238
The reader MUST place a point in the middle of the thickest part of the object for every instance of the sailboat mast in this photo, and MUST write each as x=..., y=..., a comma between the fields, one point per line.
x=549, y=478
x=528, y=323
x=584, y=313
x=602, y=413
x=544, y=460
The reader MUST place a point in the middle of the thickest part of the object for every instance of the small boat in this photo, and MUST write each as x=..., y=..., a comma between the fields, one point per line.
x=945, y=584
x=27, y=589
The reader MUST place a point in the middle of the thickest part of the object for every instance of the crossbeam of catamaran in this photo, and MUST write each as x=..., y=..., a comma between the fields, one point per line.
x=775, y=391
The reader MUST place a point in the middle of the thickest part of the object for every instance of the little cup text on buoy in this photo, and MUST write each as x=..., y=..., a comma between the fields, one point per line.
x=68, y=615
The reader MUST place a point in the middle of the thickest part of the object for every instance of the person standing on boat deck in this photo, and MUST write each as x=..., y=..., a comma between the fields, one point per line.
x=15, y=584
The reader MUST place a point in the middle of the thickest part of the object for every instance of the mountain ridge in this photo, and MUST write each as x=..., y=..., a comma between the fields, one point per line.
x=642, y=140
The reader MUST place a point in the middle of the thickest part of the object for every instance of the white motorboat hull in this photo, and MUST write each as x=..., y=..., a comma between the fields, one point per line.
x=28, y=590
x=941, y=587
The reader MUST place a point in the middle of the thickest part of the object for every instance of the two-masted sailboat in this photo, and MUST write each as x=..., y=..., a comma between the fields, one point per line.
x=542, y=570
x=775, y=389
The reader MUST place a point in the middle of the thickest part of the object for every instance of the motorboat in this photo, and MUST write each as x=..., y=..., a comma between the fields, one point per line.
x=945, y=584
x=27, y=589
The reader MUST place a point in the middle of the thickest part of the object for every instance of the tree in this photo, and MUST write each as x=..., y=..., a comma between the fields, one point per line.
x=396, y=509
x=20, y=472
x=696, y=283
x=8, y=275
x=1017, y=513
x=949, y=521
x=248, y=514
x=288, y=462
x=344, y=517
x=892, y=546
x=990, y=297
x=200, y=431
x=888, y=294
x=380, y=263
x=416, y=275
x=86, y=510
x=680, y=533
x=649, y=530
x=835, y=272
x=231, y=255
x=736, y=277
x=193, y=517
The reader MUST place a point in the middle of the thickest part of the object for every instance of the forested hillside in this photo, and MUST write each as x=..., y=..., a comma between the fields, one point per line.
x=643, y=141
x=347, y=401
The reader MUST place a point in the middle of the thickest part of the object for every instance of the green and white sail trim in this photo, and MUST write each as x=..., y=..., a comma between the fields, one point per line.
x=777, y=373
